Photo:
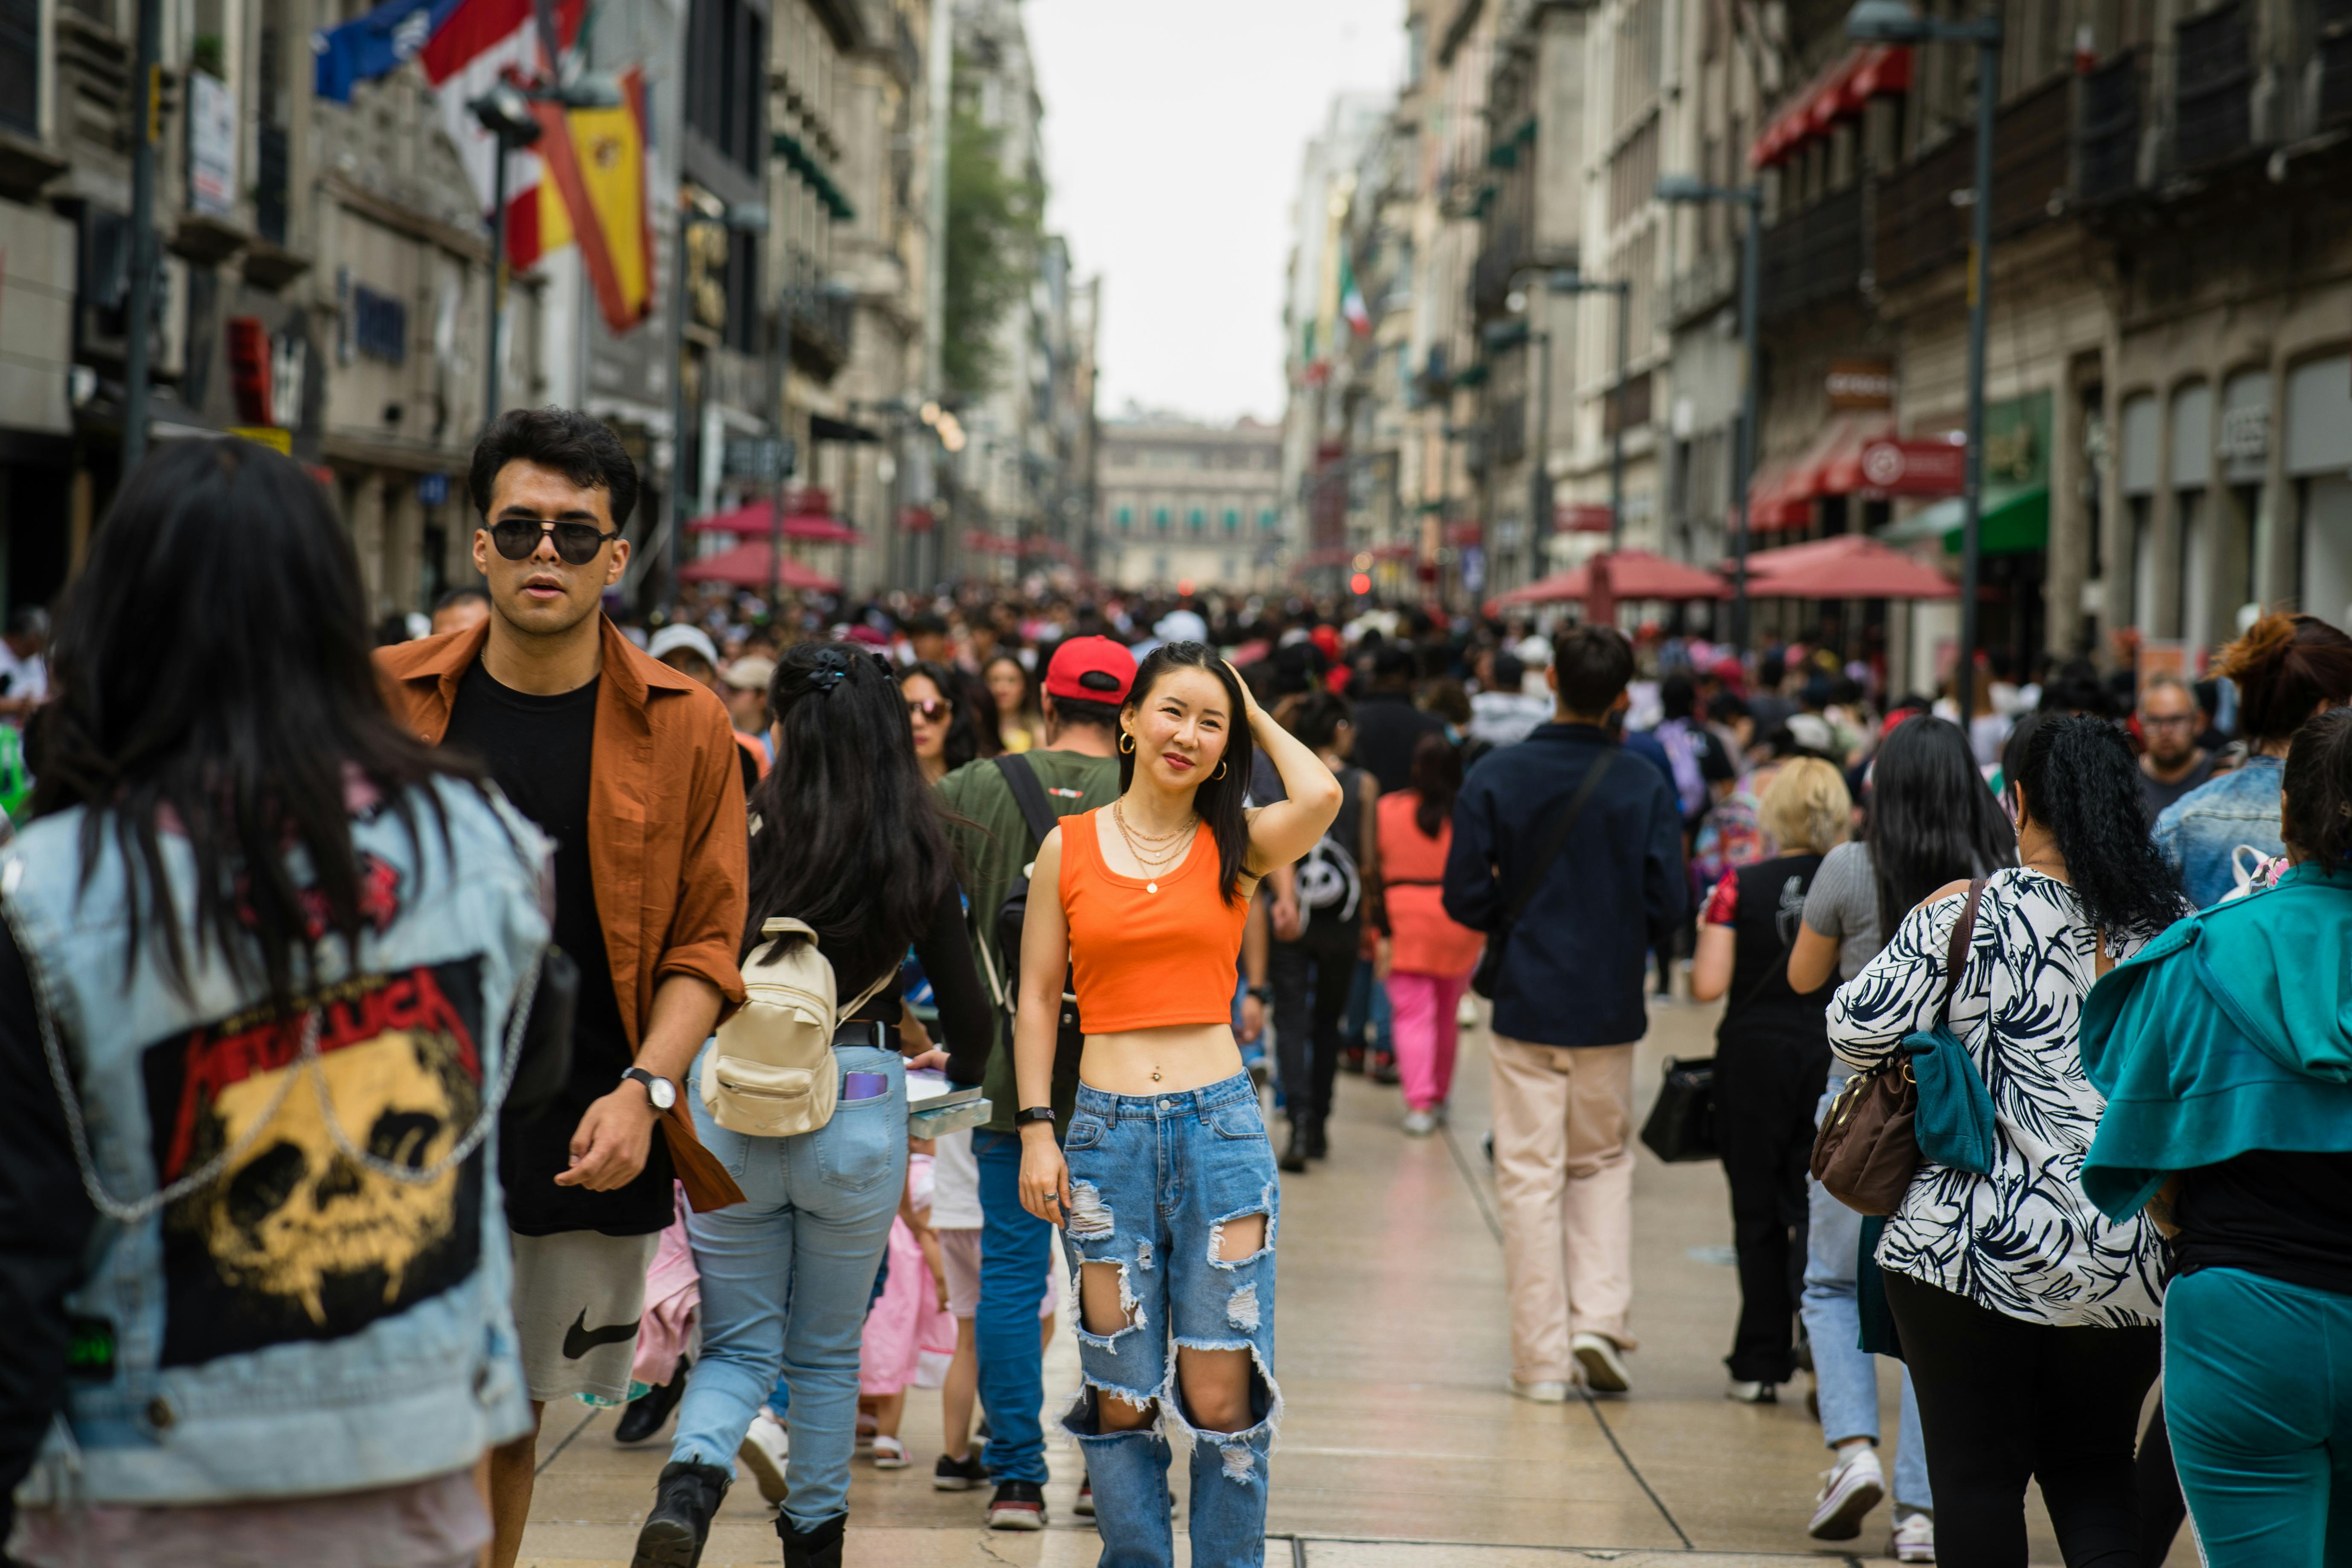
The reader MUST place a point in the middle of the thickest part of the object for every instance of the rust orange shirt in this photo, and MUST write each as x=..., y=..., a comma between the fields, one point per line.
x=1148, y=951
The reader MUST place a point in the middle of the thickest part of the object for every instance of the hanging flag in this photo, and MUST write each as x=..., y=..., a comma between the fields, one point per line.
x=1351, y=297
x=372, y=45
x=596, y=195
x=473, y=47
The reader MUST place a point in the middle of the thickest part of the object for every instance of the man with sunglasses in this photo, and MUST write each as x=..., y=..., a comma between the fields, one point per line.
x=629, y=766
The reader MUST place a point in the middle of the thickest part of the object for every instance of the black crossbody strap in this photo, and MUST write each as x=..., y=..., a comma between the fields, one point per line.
x=1566, y=824
x=1028, y=794
x=1956, y=957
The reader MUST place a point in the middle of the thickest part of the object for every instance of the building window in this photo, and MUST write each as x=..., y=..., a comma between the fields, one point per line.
x=1160, y=517
x=20, y=65
x=726, y=89
x=1195, y=518
x=1268, y=520
x=1126, y=517
x=1232, y=520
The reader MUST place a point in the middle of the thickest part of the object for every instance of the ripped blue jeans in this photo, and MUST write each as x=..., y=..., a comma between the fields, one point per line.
x=1154, y=1181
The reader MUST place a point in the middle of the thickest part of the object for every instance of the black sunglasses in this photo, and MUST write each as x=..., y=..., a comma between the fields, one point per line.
x=576, y=543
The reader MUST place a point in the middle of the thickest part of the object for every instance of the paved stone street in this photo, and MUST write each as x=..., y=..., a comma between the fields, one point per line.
x=1401, y=1447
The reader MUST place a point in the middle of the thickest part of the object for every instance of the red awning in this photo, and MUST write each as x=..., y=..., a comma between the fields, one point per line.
x=1632, y=574
x=1846, y=566
x=747, y=567
x=1580, y=516
x=1394, y=551
x=1839, y=93
x=807, y=516
x=1784, y=492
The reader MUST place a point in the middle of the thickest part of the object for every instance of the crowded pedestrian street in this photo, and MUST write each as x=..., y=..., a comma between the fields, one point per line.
x=1402, y=1447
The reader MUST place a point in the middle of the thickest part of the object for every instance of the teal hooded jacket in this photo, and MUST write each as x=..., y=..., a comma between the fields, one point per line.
x=2230, y=1032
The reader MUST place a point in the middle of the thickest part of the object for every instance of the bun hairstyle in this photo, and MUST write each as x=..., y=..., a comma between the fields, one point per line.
x=1218, y=800
x=2079, y=779
x=2318, y=790
x=2285, y=666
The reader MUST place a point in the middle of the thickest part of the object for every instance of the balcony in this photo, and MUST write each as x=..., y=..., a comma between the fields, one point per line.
x=1499, y=260
x=817, y=319
x=2213, y=76
x=1814, y=256
x=2107, y=156
x=1922, y=226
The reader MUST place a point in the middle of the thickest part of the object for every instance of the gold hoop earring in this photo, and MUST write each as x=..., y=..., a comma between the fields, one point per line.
x=1220, y=772
x=1125, y=744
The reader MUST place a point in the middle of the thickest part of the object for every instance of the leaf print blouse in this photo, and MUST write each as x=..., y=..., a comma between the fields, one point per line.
x=2023, y=1241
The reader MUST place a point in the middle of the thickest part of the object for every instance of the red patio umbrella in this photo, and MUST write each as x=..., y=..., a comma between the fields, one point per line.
x=1844, y=566
x=748, y=565
x=802, y=521
x=1632, y=574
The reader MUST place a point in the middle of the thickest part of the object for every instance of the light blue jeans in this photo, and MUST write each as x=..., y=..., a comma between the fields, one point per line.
x=1848, y=1374
x=1154, y=1180
x=786, y=1278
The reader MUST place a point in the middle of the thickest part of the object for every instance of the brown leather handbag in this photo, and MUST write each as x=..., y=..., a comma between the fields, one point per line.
x=1867, y=1150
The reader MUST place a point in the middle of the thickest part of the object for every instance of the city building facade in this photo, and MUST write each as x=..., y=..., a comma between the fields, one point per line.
x=1191, y=508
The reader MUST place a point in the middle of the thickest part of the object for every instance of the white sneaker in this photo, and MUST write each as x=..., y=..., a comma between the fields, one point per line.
x=1419, y=1123
x=1603, y=1367
x=763, y=1451
x=1541, y=1392
x=1465, y=1013
x=1914, y=1539
x=1850, y=1489
x=890, y=1454
x=1753, y=1393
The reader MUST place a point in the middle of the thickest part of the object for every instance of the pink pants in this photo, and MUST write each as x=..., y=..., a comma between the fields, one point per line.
x=1422, y=1018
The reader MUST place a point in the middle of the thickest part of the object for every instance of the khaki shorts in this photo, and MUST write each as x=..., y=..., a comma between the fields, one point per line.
x=578, y=1295
x=960, y=1250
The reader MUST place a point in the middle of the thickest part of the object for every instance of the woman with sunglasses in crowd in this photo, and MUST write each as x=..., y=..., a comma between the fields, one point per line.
x=846, y=836
x=1169, y=1194
x=949, y=729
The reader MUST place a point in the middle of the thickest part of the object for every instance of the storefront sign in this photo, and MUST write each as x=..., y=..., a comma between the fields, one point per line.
x=212, y=145
x=1862, y=386
x=2016, y=440
x=1901, y=465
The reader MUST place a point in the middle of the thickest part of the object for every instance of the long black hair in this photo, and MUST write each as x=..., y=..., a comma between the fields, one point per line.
x=2078, y=778
x=1932, y=820
x=1437, y=781
x=212, y=678
x=850, y=837
x=1218, y=798
x=965, y=741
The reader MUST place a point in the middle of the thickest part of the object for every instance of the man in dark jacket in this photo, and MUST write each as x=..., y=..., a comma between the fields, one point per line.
x=1388, y=726
x=1568, y=1007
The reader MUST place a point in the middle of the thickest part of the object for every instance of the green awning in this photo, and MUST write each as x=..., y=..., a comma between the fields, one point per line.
x=2016, y=519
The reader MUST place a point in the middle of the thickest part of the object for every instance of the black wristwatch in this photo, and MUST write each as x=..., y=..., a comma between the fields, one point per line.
x=1263, y=993
x=659, y=1091
x=1027, y=1113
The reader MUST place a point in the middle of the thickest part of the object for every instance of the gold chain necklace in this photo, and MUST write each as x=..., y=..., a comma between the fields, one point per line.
x=1153, y=865
x=1132, y=834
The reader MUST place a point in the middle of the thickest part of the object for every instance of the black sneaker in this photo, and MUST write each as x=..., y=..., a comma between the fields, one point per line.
x=642, y=1420
x=1017, y=1504
x=1085, y=1506
x=685, y=1497
x=1384, y=1068
x=959, y=1475
x=1318, y=1146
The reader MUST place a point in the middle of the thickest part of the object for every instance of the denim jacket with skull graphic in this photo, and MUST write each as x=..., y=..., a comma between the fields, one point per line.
x=300, y=1321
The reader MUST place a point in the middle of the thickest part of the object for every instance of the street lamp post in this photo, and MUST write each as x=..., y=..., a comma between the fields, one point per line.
x=139, y=310
x=1894, y=22
x=505, y=113
x=1687, y=188
x=1567, y=280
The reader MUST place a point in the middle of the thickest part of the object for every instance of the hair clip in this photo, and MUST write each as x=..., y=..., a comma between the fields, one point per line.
x=831, y=671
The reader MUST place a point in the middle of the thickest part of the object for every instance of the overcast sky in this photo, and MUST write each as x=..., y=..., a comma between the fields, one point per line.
x=1173, y=131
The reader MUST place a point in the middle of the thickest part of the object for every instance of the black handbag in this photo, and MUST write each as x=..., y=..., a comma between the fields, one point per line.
x=1489, y=972
x=1682, y=1123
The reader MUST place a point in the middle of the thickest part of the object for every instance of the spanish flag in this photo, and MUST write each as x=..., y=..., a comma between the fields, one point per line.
x=597, y=158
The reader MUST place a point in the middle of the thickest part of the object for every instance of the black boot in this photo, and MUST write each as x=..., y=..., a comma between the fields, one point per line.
x=685, y=1497
x=644, y=1417
x=1293, y=1153
x=819, y=1546
x=1317, y=1146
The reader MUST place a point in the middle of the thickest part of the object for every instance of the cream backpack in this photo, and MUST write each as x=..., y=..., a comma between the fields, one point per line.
x=772, y=1074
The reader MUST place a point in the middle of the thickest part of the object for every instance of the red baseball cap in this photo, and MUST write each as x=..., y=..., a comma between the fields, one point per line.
x=1090, y=669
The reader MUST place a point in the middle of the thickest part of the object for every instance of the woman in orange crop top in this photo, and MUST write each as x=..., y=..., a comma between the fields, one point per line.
x=1168, y=1196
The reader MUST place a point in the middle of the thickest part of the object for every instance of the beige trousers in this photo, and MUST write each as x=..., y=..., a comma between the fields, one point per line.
x=1564, y=1171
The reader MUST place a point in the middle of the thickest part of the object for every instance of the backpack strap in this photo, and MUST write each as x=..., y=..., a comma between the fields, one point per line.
x=1028, y=794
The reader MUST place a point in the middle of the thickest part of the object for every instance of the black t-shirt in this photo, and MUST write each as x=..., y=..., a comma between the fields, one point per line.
x=2157, y=795
x=2282, y=1215
x=1768, y=910
x=538, y=750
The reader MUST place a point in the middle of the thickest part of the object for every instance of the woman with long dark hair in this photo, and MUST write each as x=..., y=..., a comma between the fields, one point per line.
x=1169, y=1193
x=2287, y=668
x=1425, y=956
x=1929, y=821
x=845, y=836
x=1013, y=693
x=2028, y=1319
x=949, y=728
x=279, y=948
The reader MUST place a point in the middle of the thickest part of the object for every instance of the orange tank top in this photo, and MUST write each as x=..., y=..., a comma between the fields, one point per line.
x=1148, y=951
